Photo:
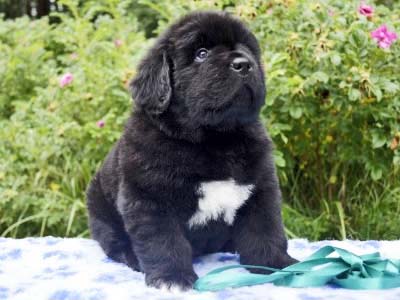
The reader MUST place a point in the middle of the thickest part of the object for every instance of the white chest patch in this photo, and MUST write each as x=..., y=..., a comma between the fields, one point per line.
x=220, y=199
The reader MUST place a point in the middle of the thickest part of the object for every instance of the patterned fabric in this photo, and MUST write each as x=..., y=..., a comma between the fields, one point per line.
x=76, y=269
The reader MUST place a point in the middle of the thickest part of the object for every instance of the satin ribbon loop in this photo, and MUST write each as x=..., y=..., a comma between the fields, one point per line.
x=327, y=265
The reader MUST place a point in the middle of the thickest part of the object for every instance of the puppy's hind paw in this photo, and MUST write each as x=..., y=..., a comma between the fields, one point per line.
x=172, y=282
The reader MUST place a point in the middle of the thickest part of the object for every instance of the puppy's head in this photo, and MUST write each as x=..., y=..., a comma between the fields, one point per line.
x=203, y=72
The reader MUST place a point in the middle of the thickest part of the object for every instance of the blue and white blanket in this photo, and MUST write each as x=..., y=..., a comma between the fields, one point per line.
x=76, y=269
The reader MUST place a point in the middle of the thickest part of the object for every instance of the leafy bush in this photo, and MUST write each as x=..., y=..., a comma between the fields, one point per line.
x=51, y=142
x=332, y=109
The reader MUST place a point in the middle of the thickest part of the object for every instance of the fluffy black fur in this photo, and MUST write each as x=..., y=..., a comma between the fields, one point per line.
x=194, y=121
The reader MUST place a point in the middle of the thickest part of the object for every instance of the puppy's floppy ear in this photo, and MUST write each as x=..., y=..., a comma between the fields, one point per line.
x=151, y=88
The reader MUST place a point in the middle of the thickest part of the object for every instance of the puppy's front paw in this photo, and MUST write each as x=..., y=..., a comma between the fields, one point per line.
x=280, y=262
x=287, y=261
x=181, y=281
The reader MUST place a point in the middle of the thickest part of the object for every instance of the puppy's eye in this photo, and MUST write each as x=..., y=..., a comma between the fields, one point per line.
x=201, y=55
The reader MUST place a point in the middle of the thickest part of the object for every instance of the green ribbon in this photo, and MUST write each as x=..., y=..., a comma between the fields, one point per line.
x=346, y=270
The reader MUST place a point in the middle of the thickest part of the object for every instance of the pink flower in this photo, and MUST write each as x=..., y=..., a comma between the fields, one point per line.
x=100, y=123
x=66, y=79
x=118, y=43
x=384, y=37
x=74, y=56
x=366, y=10
x=331, y=12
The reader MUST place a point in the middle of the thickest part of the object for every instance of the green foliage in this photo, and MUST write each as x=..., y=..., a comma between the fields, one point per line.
x=332, y=109
x=50, y=142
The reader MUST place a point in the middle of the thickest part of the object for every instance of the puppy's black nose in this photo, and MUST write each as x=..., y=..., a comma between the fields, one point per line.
x=241, y=65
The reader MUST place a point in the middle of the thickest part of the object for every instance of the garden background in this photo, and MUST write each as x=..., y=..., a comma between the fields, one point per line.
x=332, y=106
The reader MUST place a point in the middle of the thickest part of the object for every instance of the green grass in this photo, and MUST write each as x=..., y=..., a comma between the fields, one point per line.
x=368, y=212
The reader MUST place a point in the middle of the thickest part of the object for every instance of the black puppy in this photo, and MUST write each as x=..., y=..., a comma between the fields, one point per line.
x=192, y=173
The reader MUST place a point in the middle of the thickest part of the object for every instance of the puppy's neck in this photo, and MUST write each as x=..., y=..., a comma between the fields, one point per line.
x=188, y=131
x=170, y=126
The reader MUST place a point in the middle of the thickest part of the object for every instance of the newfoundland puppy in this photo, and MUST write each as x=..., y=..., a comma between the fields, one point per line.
x=192, y=173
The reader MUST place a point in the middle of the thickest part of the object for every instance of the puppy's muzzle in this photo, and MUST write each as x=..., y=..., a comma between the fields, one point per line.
x=241, y=65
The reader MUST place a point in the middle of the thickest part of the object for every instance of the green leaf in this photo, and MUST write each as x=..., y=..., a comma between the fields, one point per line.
x=354, y=94
x=321, y=77
x=377, y=92
x=278, y=158
x=276, y=73
x=378, y=140
x=284, y=138
x=343, y=84
x=358, y=39
x=295, y=112
x=376, y=173
x=335, y=59
x=277, y=58
x=390, y=87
